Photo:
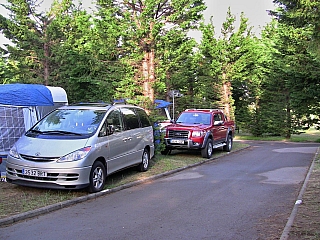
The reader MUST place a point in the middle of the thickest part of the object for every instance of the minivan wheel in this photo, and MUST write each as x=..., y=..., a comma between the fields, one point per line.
x=207, y=151
x=97, y=177
x=144, y=165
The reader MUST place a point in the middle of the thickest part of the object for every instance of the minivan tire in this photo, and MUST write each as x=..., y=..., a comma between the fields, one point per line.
x=144, y=165
x=97, y=177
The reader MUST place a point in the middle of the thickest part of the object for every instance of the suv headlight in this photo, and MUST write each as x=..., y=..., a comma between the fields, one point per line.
x=13, y=152
x=198, y=133
x=76, y=155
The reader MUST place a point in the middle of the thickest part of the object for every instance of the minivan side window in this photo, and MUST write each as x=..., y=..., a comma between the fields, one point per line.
x=144, y=119
x=131, y=120
x=112, y=124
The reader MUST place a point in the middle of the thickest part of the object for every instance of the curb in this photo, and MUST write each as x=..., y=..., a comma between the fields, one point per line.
x=67, y=203
x=287, y=228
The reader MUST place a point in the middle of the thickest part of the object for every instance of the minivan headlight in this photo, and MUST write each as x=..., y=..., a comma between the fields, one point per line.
x=76, y=155
x=13, y=152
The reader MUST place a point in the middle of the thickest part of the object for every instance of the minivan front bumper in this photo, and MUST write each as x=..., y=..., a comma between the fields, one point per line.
x=68, y=178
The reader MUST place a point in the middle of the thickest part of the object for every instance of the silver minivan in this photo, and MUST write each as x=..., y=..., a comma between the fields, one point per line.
x=77, y=146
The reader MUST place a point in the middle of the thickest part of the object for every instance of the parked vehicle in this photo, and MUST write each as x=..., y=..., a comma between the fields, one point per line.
x=200, y=129
x=78, y=146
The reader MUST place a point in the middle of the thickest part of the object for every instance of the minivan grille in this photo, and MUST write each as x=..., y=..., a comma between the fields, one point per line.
x=178, y=134
x=39, y=159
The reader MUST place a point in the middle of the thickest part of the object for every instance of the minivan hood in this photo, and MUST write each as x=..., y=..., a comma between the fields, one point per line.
x=48, y=147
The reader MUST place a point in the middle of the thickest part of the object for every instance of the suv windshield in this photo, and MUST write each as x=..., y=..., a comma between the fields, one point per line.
x=194, y=118
x=70, y=121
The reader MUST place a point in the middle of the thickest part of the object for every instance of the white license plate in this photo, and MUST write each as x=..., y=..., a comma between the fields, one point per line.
x=177, y=141
x=33, y=172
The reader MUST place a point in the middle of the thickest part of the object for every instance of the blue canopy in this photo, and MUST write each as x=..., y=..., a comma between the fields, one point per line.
x=162, y=103
x=25, y=95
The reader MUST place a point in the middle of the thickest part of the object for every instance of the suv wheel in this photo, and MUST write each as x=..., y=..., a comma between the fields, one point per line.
x=207, y=151
x=143, y=166
x=97, y=177
x=165, y=151
x=228, y=145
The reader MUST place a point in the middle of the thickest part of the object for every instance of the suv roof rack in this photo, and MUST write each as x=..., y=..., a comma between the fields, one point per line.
x=202, y=109
x=119, y=101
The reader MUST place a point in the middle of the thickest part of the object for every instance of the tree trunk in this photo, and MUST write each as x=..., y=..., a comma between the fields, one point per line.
x=226, y=88
x=46, y=64
x=288, y=127
x=46, y=50
x=148, y=74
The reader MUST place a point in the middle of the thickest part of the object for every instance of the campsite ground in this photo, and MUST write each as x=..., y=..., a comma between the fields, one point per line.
x=17, y=199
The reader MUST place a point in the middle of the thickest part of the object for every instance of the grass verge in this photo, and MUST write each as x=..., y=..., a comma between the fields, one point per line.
x=310, y=135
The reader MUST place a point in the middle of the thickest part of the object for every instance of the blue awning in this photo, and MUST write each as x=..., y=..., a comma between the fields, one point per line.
x=162, y=103
x=25, y=95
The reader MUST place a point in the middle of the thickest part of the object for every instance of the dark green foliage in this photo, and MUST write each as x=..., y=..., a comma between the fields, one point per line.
x=140, y=50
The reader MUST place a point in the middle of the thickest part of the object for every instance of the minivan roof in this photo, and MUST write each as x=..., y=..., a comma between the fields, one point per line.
x=96, y=105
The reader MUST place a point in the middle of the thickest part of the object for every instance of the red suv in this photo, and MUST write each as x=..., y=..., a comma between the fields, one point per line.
x=200, y=129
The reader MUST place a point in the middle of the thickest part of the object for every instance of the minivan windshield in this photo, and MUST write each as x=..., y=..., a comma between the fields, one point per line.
x=70, y=122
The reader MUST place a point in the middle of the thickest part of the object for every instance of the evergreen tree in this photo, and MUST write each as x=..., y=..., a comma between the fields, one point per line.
x=145, y=22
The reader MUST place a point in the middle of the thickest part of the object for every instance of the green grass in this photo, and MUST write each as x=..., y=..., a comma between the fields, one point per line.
x=311, y=135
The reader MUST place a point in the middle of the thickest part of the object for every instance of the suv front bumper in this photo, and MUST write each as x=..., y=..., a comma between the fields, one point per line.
x=182, y=143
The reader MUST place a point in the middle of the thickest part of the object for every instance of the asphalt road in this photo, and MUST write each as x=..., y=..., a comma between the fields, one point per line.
x=238, y=196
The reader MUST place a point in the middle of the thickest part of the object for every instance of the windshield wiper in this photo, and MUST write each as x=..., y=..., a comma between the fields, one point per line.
x=59, y=132
x=34, y=131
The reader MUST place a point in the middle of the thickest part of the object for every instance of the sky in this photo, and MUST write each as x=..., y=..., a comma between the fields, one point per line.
x=254, y=10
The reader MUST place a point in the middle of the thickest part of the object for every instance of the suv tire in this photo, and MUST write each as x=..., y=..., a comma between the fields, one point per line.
x=228, y=145
x=208, y=150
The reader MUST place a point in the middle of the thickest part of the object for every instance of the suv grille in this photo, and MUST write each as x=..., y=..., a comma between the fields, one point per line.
x=178, y=134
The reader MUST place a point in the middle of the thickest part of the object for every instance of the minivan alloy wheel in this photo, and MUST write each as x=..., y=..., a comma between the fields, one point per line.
x=97, y=177
x=144, y=165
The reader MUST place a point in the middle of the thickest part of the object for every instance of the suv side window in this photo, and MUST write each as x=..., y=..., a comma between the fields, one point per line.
x=217, y=117
x=131, y=119
x=144, y=119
